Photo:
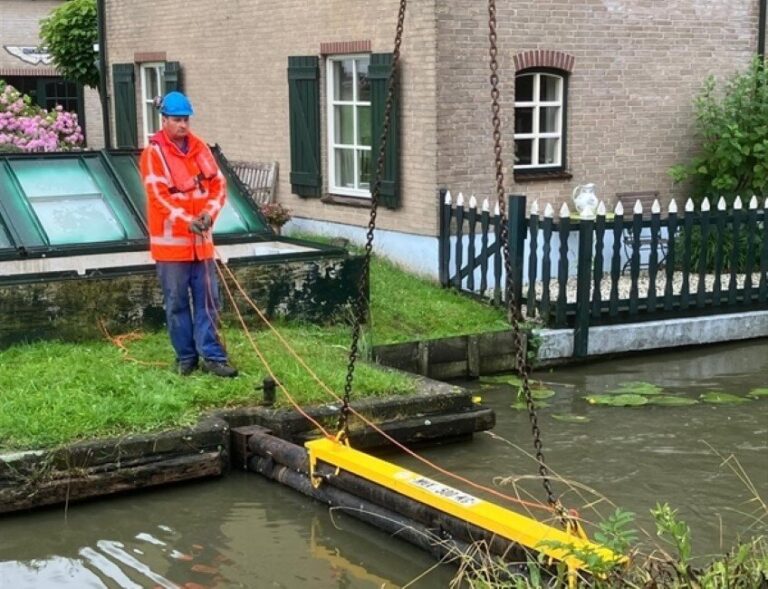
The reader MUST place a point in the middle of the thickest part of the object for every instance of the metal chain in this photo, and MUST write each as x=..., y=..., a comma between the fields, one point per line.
x=360, y=304
x=513, y=309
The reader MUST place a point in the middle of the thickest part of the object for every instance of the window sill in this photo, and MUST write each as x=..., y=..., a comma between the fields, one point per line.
x=540, y=176
x=360, y=202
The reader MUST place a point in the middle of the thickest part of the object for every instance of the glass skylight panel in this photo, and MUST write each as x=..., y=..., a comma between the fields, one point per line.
x=4, y=241
x=82, y=219
x=229, y=220
x=74, y=201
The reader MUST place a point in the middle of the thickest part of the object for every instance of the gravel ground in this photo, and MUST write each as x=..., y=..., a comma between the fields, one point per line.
x=643, y=285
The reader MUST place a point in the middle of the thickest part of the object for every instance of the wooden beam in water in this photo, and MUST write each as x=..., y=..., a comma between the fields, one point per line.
x=483, y=514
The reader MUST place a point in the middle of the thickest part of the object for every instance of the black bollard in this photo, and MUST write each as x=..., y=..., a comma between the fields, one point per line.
x=269, y=387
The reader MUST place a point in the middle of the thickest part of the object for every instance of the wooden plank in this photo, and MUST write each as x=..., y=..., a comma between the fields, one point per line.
x=597, y=275
x=449, y=349
x=653, y=260
x=562, y=271
x=459, y=249
x=618, y=230
x=424, y=358
x=445, y=238
x=752, y=244
x=736, y=234
x=669, y=265
x=471, y=262
x=546, y=270
x=583, y=269
x=77, y=484
x=685, y=289
x=484, y=225
x=473, y=356
x=720, y=240
x=448, y=370
x=497, y=260
x=701, y=290
x=762, y=294
x=634, y=267
x=533, y=232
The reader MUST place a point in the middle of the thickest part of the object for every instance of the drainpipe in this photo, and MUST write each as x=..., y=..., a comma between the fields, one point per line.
x=102, y=17
x=761, y=30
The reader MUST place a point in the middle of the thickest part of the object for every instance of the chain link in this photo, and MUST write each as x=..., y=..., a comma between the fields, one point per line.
x=360, y=303
x=513, y=309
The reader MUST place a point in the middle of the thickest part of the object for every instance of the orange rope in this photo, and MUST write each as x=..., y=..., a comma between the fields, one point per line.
x=120, y=340
x=286, y=344
x=293, y=402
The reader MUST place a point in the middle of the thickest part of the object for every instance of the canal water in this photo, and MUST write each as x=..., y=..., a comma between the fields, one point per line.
x=243, y=531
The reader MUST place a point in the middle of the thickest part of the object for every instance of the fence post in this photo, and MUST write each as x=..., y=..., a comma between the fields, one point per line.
x=583, y=277
x=516, y=239
x=444, y=240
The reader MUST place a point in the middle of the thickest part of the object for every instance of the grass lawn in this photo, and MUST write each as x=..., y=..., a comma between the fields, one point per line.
x=53, y=393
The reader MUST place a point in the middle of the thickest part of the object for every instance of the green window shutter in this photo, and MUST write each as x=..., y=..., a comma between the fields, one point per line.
x=378, y=74
x=173, y=79
x=304, y=115
x=125, y=105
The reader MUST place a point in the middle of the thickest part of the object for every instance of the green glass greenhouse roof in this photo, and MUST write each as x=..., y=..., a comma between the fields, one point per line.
x=91, y=202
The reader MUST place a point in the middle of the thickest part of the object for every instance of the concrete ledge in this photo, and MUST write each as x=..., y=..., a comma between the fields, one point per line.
x=557, y=344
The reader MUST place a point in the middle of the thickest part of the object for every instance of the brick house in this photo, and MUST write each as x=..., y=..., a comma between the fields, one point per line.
x=26, y=66
x=592, y=91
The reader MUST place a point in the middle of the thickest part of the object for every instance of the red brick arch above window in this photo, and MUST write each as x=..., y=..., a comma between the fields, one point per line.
x=541, y=58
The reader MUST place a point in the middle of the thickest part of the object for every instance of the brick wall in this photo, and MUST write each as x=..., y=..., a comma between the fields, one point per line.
x=235, y=62
x=638, y=65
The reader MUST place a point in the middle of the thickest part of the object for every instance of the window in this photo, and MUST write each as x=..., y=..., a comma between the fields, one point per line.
x=152, y=77
x=539, y=121
x=349, y=126
x=73, y=202
x=356, y=95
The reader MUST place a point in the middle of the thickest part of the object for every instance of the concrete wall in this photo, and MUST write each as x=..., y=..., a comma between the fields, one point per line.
x=638, y=66
x=235, y=56
x=20, y=25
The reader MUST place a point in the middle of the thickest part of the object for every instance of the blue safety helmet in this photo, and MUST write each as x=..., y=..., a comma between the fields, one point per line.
x=175, y=104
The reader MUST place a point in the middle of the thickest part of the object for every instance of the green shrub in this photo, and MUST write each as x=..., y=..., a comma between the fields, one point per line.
x=732, y=127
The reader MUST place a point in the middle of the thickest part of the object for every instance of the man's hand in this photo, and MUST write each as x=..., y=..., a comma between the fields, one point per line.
x=196, y=228
x=205, y=221
x=201, y=224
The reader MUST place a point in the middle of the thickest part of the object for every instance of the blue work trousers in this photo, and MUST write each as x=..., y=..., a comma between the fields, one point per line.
x=191, y=297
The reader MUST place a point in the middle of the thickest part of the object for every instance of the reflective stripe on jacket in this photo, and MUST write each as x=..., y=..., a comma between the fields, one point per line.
x=180, y=186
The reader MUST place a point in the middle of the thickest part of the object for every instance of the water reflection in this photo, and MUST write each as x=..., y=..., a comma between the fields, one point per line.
x=244, y=531
x=241, y=531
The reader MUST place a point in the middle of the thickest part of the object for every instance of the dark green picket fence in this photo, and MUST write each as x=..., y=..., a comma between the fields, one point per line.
x=619, y=267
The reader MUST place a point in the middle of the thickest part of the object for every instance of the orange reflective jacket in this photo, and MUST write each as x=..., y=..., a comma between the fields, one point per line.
x=180, y=186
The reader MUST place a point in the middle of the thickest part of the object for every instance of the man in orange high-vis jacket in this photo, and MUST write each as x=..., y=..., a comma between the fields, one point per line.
x=185, y=193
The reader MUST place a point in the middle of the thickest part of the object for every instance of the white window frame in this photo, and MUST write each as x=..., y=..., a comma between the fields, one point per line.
x=536, y=135
x=333, y=186
x=148, y=102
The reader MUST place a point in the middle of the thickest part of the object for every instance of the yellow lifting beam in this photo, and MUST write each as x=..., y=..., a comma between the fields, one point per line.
x=498, y=520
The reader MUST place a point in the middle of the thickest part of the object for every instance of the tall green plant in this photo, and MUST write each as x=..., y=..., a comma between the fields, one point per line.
x=732, y=128
x=69, y=33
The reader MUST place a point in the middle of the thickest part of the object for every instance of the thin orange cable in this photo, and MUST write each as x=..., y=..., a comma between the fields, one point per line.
x=369, y=423
x=263, y=359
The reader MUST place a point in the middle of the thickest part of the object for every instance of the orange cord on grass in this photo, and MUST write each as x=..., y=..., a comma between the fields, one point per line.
x=423, y=460
x=264, y=361
x=120, y=340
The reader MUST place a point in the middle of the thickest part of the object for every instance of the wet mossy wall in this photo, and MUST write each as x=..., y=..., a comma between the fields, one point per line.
x=74, y=308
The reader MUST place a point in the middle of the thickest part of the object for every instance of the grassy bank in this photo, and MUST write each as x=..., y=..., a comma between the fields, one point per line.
x=53, y=393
